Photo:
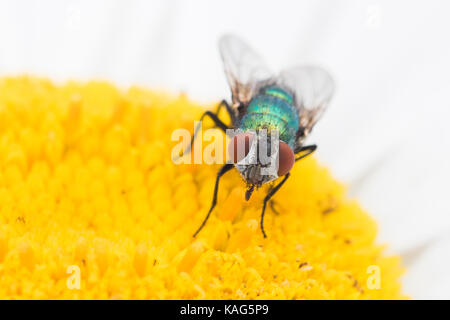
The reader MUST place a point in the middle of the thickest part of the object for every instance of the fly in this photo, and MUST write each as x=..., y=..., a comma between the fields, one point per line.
x=286, y=105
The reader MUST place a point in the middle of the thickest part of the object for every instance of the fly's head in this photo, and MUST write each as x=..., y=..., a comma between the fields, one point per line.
x=260, y=158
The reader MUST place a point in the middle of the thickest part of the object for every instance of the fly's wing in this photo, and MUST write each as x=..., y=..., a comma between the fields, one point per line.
x=312, y=88
x=244, y=68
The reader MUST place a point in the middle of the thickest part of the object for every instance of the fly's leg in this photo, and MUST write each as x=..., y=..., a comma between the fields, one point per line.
x=309, y=149
x=267, y=198
x=227, y=167
x=230, y=111
x=218, y=123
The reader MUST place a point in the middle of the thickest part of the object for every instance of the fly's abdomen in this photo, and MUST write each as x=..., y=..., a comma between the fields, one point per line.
x=272, y=110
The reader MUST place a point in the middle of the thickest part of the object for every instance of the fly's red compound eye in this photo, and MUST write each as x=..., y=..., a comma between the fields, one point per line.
x=286, y=159
x=240, y=146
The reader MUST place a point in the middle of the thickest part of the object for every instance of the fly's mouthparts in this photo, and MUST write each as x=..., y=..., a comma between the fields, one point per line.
x=249, y=192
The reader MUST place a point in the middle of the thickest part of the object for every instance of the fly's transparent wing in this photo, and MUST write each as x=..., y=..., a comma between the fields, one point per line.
x=312, y=88
x=244, y=68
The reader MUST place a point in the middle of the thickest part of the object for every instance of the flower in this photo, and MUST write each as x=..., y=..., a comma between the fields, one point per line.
x=88, y=192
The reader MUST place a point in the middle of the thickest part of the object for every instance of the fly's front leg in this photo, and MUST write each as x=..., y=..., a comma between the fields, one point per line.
x=221, y=172
x=267, y=198
x=309, y=149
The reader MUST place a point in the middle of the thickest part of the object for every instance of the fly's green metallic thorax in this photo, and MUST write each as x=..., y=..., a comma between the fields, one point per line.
x=272, y=109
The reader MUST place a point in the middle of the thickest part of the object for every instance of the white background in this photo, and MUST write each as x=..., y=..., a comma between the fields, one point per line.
x=385, y=133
